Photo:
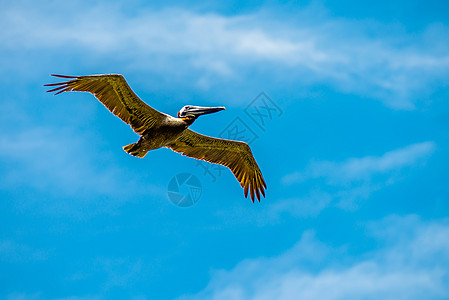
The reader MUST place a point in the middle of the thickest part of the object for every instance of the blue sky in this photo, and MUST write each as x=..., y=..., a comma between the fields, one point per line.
x=355, y=159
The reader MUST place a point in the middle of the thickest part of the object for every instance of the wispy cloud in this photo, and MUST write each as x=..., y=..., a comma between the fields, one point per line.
x=358, y=169
x=53, y=160
x=404, y=266
x=346, y=183
x=273, y=212
x=214, y=47
x=47, y=166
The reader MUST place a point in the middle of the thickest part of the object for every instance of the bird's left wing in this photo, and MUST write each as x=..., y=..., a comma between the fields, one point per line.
x=235, y=155
x=114, y=92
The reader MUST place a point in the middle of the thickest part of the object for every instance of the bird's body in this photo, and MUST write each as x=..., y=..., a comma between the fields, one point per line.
x=161, y=130
x=160, y=135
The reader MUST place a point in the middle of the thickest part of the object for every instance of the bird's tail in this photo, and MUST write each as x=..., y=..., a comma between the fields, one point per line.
x=135, y=149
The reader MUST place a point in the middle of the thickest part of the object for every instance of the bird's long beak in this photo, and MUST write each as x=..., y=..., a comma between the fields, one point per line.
x=199, y=110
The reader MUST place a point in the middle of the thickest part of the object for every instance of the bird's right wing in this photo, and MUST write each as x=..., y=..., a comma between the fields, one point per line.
x=114, y=92
x=235, y=155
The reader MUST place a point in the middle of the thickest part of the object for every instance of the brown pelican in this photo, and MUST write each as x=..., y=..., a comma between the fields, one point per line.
x=161, y=130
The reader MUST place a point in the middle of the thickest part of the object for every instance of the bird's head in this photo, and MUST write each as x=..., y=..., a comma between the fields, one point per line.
x=189, y=113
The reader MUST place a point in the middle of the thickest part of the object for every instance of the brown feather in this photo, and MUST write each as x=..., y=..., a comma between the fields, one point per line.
x=235, y=155
x=114, y=92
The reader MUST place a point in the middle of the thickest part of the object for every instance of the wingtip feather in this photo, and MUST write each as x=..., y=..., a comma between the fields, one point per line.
x=64, y=76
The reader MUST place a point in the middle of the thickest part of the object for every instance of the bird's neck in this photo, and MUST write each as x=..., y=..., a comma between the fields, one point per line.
x=188, y=120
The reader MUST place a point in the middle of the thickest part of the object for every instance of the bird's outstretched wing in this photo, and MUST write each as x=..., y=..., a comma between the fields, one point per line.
x=236, y=156
x=113, y=91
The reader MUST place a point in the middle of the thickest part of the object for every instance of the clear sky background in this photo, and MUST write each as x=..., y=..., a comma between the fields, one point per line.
x=356, y=164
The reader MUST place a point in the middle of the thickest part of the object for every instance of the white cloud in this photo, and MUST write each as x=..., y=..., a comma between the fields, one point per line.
x=180, y=43
x=346, y=183
x=410, y=262
x=359, y=169
x=53, y=160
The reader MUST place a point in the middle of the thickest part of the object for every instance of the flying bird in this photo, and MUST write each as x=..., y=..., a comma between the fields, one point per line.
x=158, y=130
